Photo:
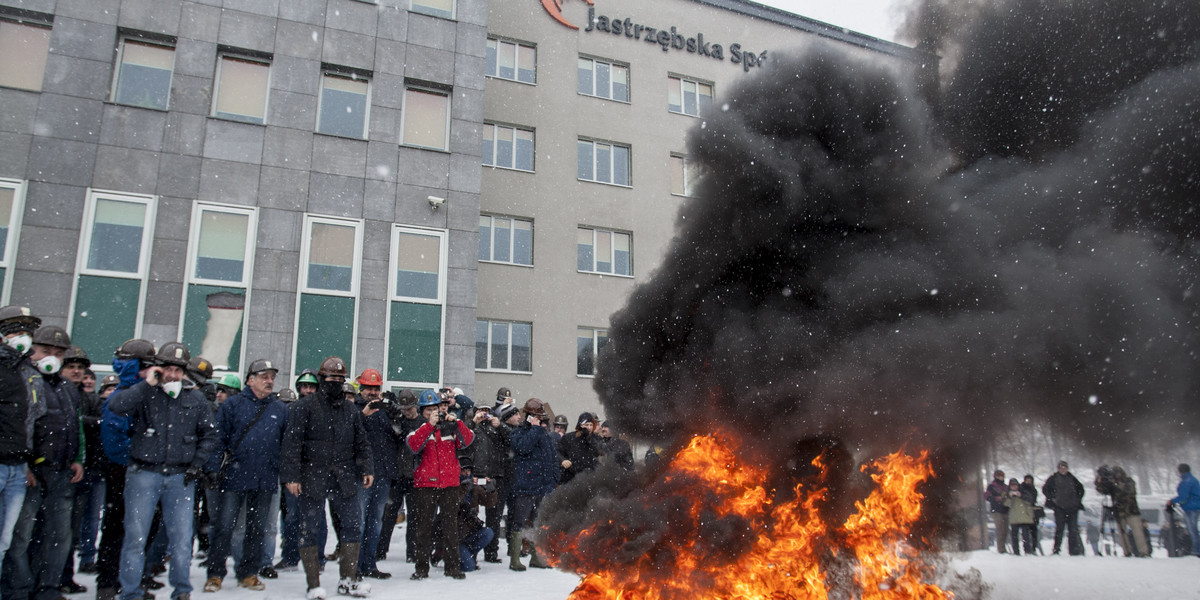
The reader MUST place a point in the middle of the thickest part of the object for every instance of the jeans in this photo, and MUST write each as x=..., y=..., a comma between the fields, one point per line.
x=290, y=552
x=90, y=494
x=12, y=498
x=470, y=546
x=373, y=500
x=143, y=491
x=230, y=504
x=33, y=570
x=1190, y=519
x=1067, y=518
x=270, y=529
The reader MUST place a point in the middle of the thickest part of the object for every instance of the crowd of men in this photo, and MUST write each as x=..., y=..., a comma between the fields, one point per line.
x=160, y=457
x=1016, y=512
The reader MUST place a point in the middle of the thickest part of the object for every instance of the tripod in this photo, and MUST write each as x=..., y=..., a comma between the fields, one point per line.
x=1115, y=531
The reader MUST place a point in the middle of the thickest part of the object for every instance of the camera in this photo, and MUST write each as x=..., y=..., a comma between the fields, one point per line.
x=1104, y=479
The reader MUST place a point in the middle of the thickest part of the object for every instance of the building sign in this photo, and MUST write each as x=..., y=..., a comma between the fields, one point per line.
x=668, y=39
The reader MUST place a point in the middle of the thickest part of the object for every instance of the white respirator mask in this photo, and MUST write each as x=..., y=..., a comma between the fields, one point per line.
x=172, y=388
x=21, y=343
x=48, y=364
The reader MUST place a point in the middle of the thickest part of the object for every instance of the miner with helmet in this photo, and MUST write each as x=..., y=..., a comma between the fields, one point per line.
x=326, y=455
x=535, y=474
x=56, y=464
x=172, y=438
x=436, y=477
x=405, y=422
x=306, y=383
x=89, y=492
x=131, y=362
x=580, y=449
x=17, y=414
x=490, y=457
x=227, y=386
x=378, y=413
x=244, y=469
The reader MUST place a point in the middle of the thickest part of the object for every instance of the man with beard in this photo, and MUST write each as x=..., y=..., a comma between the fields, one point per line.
x=1064, y=493
x=34, y=572
x=535, y=473
x=580, y=449
x=326, y=456
x=436, y=478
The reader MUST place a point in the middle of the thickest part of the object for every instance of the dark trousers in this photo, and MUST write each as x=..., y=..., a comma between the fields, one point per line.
x=290, y=550
x=493, y=514
x=1022, y=533
x=400, y=497
x=312, y=517
x=1067, y=518
x=427, y=503
x=112, y=526
x=230, y=503
x=524, y=511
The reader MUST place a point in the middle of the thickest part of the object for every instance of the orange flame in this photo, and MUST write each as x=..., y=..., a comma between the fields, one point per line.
x=789, y=549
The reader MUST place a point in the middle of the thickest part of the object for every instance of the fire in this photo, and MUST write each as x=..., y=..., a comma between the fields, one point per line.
x=729, y=536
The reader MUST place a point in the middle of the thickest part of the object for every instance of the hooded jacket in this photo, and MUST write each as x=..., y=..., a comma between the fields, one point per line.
x=325, y=438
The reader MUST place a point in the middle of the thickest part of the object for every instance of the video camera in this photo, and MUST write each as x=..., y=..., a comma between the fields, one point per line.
x=1104, y=480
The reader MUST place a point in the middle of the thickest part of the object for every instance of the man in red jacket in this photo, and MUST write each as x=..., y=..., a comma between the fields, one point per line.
x=435, y=479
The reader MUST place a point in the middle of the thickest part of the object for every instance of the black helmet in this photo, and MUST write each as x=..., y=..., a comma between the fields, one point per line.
x=14, y=318
x=200, y=369
x=560, y=420
x=332, y=366
x=137, y=348
x=173, y=353
x=76, y=354
x=52, y=335
x=109, y=380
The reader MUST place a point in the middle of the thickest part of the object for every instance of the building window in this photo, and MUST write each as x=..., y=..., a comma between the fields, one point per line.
x=12, y=201
x=603, y=79
x=220, y=263
x=144, y=74
x=603, y=163
x=683, y=175
x=426, y=119
x=416, y=311
x=512, y=60
x=688, y=97
x=23, y=51
x=601, y=251
x=327, y=305
x=503, y=346
x=437, y=8
x=345, y=101
x=241, y=89
x=505, y=240
x=110, y=283
x=588, y=342
x=507, y=147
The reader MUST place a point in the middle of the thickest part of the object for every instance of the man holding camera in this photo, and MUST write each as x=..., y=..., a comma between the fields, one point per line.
x=172, y=436
x=535, y=474
x=1064, y=493
x=385, y=451
x=436, y=478
x=1123, y=491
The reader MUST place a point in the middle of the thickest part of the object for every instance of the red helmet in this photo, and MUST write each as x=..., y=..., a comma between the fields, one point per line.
x=370, y=377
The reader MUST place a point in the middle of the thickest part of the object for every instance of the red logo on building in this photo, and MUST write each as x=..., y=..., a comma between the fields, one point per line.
x=554, y=7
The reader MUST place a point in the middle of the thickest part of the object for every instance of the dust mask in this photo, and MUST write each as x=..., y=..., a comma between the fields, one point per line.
x=21, y=343
x=48, y=365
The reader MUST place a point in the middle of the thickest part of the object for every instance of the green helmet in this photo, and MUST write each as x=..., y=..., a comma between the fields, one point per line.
x=231, y=381
x=307, y=376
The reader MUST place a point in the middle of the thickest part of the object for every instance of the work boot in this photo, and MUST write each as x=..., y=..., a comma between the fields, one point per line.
x=310, y=557
x=348, y=564
x=252, y=583
x=213, y=584
x=514, y=551
x=537, y=561
x=350, y=587
x=106, y=593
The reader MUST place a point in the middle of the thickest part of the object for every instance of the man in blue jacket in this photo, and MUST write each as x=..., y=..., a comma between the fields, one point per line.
x=1188, y=498
x=250, y=427
x=172, y=438
x=535, y=474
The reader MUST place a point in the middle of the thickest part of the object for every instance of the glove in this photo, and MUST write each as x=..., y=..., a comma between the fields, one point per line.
x=192, y=474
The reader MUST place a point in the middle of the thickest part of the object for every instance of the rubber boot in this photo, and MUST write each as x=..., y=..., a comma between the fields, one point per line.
x=311, y=559
x=348, y=561
x=536, y=561
x=514, y=551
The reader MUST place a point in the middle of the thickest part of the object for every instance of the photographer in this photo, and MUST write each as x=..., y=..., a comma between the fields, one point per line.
x=436, y=478
x=535, y=474
x=474, y=535
x=490, y=455
x=1123, y=491
x=385, y=453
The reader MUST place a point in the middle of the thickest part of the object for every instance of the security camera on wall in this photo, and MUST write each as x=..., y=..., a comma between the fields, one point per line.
x=435, y=202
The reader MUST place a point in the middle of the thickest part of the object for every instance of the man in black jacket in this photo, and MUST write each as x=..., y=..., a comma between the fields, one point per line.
x=172, y=435
x=385, y=444
x=491, y=457
x=580, y=449
x=325, y=456
x=17, y=412
x=400, y=496
x=1064, y=493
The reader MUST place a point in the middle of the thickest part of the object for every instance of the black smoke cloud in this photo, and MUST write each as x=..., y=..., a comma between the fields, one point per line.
x=894, y=263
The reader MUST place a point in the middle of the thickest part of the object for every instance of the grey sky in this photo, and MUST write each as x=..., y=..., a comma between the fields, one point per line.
x=873, y=17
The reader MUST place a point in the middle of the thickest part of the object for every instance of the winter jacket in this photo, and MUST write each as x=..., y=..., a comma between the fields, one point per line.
x=325, y=437
x=17, y=409
x=1019, y=507
x=114, y=428
x=1123, y=492
x=57, y=436
x=1188, y=493
x=403, y=426
x=996, y=491
x=385, y=443
x=1063, y=492
x=474, y=496
x=583, y=449
x=464, y=407
x=437, y=454
x=255, y=464
x=168, y=435
x=91, y=410
x=619, y=451
x=535, y=462
x=490, y=451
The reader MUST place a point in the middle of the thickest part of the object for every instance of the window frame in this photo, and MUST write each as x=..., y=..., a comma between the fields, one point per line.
x=145, y=41
x=9, y=257
x=352, y=75
x=453, y=10
x=684, y=80
x=243, y=57
x=495, y=140
x=443, y=236
x=611, y=63
x=509, y=346
x=517, y=56
x=35, y=23
x=511, y=240
x=310, y=219
x=612, y=170
x=404, y=114
x=612, y=252
x=595, y=349
x=689, y=176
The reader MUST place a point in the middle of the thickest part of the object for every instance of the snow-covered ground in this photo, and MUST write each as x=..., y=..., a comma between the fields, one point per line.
x=1010, y=578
